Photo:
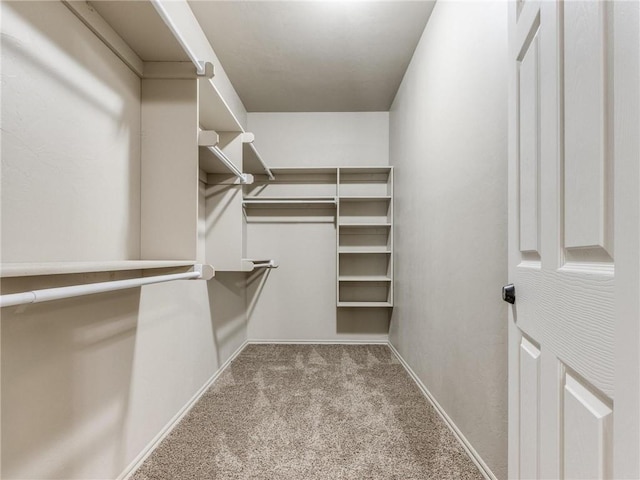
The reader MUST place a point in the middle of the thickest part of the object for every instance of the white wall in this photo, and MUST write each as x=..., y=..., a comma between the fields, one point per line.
x=448, y=146
x=297, y=301
x=321, y=139
x=69, y=188
x=87, y=383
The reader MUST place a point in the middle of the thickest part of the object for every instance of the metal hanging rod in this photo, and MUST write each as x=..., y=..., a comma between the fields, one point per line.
x=228, y=163
x=264, y=264
x=48, y=294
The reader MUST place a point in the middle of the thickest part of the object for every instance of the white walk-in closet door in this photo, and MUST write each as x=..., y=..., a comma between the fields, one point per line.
x=573, y=410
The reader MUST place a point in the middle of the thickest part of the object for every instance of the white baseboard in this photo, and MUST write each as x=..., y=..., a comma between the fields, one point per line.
x=153, y=444
x=473, y=454
x=320, y=342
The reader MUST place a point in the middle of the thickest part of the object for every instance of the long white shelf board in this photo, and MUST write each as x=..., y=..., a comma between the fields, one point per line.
x=364, y=251
x=252, y=161
x=364, y=225
x=304, y=170
x=59, y=268
x=367, y=170
x=290, y=202
x=215, y=114
x=381, y=198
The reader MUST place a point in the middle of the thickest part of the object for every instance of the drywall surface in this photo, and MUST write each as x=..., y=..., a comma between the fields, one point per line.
x=321, y=139
x=297, y=301
x=88, y=383
x=448, y=141
x=69, y=188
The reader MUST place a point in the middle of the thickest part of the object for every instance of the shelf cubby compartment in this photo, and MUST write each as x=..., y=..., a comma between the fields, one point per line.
x=363, y=239
x=364, y=264
x=364, y=292
x=372, y=212
x=365, y=182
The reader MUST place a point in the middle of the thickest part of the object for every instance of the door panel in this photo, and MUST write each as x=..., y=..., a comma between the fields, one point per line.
x=587, y=432
x=529, y=408
x=529, y=139
x=588, y=208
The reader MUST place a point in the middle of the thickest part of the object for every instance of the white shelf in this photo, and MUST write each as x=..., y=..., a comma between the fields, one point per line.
x=364, y=225
x=293, y=202
x=59, y=268
x=364, y=170
x=362, y=251
x=304, y=171
x=364, y=278
x=381, y=198
x=253, y=163
x=365, y=304
x=215, y=114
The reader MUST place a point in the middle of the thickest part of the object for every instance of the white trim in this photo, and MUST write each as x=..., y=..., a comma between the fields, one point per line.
x=318, y=342
x=166, y=430
x=473, y=454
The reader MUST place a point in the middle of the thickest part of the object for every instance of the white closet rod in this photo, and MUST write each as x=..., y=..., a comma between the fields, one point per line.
x=48, y=294
x=160, y=8
x=264, y=264
x=228, y=163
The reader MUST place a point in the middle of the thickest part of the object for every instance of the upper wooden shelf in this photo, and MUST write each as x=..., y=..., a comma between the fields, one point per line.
x=381, y=198
x=8, y=270
x=253, y=163
x=364, y=170
x=215, y=113
x=304, y=171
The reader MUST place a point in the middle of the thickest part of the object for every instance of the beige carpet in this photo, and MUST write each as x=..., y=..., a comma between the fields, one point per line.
x=311, y=412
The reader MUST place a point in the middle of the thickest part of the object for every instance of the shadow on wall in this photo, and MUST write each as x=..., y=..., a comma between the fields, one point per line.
x=66, y=377
x=227, y=304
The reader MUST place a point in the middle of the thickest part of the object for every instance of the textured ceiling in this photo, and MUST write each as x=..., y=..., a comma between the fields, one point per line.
x=312, y=56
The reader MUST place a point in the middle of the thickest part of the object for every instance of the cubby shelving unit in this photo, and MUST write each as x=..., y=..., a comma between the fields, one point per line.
x=361, y=203
x=365, y=237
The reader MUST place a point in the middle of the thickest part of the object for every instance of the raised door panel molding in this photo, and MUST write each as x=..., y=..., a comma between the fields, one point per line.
x=587, y=433
x=587, y=160
x=529, y=408
x=529, y=145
